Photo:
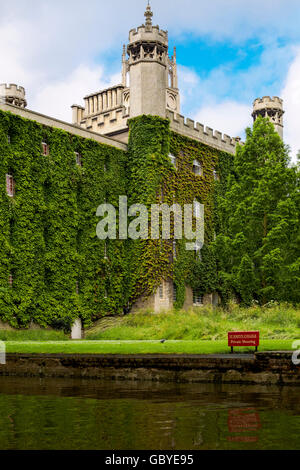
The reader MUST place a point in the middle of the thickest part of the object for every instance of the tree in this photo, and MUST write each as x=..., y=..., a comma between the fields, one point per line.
x=261, y=213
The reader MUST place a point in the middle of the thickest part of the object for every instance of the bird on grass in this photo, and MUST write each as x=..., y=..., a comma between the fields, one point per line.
x=163, y=341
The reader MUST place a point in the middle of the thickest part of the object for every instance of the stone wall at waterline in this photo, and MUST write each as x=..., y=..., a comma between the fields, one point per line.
x=269, y=368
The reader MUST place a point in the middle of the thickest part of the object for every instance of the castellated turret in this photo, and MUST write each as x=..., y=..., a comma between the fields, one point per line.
x=271, y=108
x=13, y=94
x=152, y=74
x=149, y=85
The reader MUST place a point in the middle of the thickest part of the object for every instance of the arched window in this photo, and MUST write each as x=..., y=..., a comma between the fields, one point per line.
x=45, y=149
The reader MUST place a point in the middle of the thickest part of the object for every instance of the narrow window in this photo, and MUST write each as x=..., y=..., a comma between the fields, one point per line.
x=216, y=177
x=45, y=149
x=161, y=291
x=10, y=185
x=172, y=159
x=174, y=249
x=8, y=139
x=174, y=292
x=10, y=280
x=197, y=297
x=197, y=168
x=78, y=159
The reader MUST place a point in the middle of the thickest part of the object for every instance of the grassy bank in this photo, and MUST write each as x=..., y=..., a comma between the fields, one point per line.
x=138, y=347
x=199, y=331
x=33, y=335
x=277, y=322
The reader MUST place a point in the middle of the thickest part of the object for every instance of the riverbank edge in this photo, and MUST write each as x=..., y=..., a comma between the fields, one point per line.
x=267, y=368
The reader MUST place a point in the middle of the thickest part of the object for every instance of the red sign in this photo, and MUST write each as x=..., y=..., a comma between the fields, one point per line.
x=243, y=338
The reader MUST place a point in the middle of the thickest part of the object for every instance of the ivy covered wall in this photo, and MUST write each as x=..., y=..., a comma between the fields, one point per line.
x=60, y=269
x=48, y=229
x=154, y=179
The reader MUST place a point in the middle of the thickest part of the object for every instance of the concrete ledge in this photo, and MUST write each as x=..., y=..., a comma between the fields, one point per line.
x=261, y=368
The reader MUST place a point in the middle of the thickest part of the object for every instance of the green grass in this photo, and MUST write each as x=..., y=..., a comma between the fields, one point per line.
x=199, y=331
x=139, y=347
x=33, y=335
x=278, y=322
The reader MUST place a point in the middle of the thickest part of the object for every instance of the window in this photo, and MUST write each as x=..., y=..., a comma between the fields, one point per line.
x=197, y=168
x=10, y=280
x=8, y=138
x=78, y=159
x=197, y=297
x=174, y=293
x=172, y=159
x=174, y=249
x=45, y=149
x=161, y=291
x=10, y=185
x=216, y=177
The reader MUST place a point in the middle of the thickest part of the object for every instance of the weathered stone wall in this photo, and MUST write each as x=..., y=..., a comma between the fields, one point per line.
x=261, y=368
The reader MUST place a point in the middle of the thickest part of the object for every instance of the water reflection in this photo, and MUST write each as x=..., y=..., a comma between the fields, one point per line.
x=88, y=414
x=243, y=420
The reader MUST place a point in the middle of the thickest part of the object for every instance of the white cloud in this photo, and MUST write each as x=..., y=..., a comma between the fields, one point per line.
x=57, y=50
x=228, y=117
x=56, y=98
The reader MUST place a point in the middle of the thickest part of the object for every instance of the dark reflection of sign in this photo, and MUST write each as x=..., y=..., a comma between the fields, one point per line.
x=241, y=421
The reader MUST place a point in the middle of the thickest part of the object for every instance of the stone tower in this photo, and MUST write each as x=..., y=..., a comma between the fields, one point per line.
x=271, y=108
x=152, y=74
x=149, y=85
x=13, y=94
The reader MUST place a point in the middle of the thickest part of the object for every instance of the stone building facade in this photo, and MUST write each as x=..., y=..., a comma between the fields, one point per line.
x=149, y=87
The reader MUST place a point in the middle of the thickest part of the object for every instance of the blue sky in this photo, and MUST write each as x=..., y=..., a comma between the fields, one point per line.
x=229, y=53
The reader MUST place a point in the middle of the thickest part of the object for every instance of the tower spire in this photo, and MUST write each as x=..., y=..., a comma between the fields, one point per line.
x=148, y=15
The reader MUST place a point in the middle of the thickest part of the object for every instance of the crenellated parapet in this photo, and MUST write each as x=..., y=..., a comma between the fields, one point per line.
x=268, y=102
x=13, y=94
x=105, y=111
x=109, y=122
x=199, y=132
x=144, y=33
x=147, y=32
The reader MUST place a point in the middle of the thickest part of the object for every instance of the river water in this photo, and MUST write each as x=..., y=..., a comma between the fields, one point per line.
x=92, y=414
